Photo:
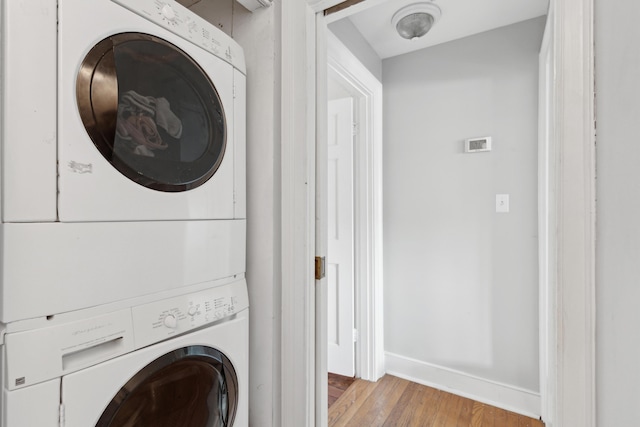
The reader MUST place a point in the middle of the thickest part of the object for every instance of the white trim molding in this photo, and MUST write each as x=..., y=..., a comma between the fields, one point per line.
x=322, y=129
x=574, y=140
x=322, y=5
x=547, y=213
x=368, y=208
x=297, y=397
x=505, y=396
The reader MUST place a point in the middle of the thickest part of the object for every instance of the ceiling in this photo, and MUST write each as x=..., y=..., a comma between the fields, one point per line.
x=460, y=18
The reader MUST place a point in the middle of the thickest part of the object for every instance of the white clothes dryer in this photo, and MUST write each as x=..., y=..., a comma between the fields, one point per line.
x=181, y=361
x=123, y=153
x=150, y=107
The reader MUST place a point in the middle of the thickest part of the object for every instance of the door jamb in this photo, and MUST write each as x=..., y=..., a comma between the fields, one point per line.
x=368, y=209
x=573, y=316
x=547, y=165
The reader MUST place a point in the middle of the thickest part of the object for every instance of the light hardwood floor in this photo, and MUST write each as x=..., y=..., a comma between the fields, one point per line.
x=338, y=384
x=393, y=401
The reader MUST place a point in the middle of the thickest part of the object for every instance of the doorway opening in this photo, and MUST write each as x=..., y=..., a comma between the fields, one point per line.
x=353, y=172
x=532, y=401
x=570, y=388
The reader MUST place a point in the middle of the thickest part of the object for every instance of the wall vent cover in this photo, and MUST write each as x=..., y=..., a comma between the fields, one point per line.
x=476, y=145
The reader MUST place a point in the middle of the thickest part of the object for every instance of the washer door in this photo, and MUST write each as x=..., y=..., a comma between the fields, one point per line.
x=194, y=386
x=151, y=111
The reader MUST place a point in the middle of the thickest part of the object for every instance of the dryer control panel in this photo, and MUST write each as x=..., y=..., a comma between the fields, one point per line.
x=160, y=320
x=186, y=24
x=37, y=355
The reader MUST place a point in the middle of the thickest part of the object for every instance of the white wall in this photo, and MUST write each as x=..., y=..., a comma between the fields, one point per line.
x=258, y=34
x=356, y=43
x=461, y=288
x=219, y=13
x=618, y=210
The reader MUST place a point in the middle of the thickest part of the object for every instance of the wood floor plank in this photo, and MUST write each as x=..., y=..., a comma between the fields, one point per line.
x=500, y=419
x=413, y=406
x=337, y=384
x=446, y=405
x=489, y=415
x=477, y=414
x=433, y=407
x=339, y=381
x=449, y=412
x=429, y=408
x=395, y=396
x=464, y=419
x=512, y=419
x=334, y=393
x=393, y=419
x=379, y=406
x=348, y=404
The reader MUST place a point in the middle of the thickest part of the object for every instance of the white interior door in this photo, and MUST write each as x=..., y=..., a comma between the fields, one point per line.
x=340, y=280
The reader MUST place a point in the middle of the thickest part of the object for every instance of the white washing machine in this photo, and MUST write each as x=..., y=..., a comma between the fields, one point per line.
x=181, y=361
x=123, y=153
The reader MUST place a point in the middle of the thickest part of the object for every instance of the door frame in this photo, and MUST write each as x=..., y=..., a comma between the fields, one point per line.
x=571, y=391
x=295, y=357
x=367, y=171
x=546, y=220
x=572, y=315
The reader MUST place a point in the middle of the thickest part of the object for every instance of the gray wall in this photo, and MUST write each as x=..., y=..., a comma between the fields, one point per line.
x=257, y=33
x=618, y=210
x=219, y=13
x=461, y=281
x=356, y=43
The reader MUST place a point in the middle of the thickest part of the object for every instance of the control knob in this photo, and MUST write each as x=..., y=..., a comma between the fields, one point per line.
x=168, y=13
x=170, y=321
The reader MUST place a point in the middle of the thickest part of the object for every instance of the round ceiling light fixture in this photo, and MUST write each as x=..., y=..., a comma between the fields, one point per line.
x=415, y=20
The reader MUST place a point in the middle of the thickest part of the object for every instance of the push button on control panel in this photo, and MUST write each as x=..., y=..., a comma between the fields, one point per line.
x=192, y=310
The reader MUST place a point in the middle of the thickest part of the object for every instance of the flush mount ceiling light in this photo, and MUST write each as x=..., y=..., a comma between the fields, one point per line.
x=415, y=20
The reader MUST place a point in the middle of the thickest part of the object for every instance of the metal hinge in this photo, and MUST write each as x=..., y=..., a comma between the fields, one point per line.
x=356, y=335
x=320, y=267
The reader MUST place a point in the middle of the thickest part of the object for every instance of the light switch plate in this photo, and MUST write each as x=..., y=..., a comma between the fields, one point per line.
x=502, y=203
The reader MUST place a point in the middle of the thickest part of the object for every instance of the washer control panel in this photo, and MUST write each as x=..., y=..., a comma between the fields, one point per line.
x=186, y=24
x=160, y=320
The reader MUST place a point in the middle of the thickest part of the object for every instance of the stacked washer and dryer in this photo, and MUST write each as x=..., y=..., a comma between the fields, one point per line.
x=123, y=299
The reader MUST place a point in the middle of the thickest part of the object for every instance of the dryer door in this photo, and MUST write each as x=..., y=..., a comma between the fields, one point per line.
x=151, y=111
x=194, y=386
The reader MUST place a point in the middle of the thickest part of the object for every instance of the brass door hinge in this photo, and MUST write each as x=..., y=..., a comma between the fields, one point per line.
x=320, y=271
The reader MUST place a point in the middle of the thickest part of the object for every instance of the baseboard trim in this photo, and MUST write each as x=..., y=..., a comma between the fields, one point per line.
x=497, y=394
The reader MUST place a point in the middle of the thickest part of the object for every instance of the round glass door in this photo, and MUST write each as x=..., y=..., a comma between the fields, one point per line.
x=151, y=111
x=194, y=386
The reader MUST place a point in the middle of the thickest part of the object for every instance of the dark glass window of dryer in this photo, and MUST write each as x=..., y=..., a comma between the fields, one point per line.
x=152, y=112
